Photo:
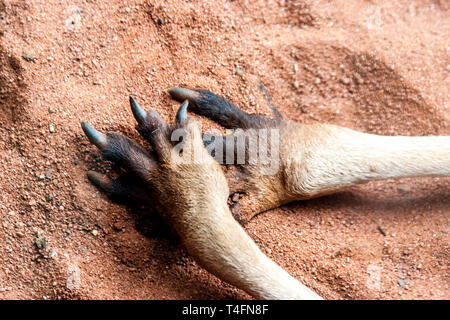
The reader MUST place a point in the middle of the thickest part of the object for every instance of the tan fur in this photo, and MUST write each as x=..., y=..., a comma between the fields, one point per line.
x=314, y=160
x=320, y=159
x=193, y=199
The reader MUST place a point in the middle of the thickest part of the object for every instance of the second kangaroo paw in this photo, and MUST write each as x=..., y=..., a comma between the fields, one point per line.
x=218, y=109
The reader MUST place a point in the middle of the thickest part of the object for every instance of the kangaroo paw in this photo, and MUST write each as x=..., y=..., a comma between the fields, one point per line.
x=218, y=109
x=121, y=150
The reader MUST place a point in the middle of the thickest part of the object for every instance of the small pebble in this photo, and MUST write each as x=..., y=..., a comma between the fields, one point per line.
x=28, y=57
x=40, y=241
x=346, y=81
x=51, y=128
x=118, y=226
x=238, y=71
x=49, y=173
x=403, y=187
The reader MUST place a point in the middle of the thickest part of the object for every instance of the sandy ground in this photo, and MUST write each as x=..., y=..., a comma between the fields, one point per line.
x=376, y=66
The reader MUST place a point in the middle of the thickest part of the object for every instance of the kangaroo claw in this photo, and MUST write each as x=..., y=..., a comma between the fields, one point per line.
x=182, y=94
x=98, y=179
x=138, y=112
x=182, y=112
x=97, y=138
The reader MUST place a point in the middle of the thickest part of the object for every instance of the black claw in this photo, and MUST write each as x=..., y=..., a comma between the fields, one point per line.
x=94, y=136
x=98, y=179
x=182, y=94
x=208, y=104
x=182, y=112
x=138, y=112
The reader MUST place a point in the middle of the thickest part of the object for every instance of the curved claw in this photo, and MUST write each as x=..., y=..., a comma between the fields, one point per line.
x=98, y=179
x=182, y=112
x=138, y=112
x=97, y=138
x=156, y=115
x=182, y=94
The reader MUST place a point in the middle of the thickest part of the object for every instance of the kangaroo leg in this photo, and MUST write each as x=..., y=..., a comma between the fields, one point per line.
x=317, y=159
x=341, y=157
x=192, y=197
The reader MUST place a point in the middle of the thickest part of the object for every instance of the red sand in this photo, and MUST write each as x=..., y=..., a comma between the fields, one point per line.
x=375, y=66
